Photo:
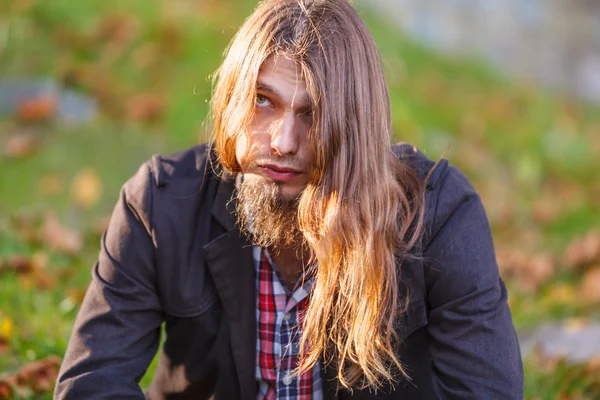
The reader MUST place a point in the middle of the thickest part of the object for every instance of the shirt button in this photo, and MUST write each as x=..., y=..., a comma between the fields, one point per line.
x=287, y=317
x=287, y=379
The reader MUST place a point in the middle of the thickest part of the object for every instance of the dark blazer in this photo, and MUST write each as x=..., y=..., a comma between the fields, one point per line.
x=172, y=254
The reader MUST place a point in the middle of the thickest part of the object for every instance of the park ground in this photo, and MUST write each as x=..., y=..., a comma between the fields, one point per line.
x=532, y=155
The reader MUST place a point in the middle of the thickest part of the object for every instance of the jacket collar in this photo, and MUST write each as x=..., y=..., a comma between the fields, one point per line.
x=229, y=258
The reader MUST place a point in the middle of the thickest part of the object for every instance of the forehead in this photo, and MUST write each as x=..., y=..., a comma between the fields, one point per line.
x=282, y=77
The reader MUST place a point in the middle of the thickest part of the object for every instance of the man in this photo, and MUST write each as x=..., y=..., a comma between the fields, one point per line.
x=299, y=255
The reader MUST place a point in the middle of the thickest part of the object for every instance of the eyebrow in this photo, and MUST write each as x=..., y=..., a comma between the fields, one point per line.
x=270, y=89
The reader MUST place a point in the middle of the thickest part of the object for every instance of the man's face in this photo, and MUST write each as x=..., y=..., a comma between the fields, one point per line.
x=276, y=150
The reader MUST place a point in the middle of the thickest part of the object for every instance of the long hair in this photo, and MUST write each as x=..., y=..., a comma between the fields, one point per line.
x=362, y=211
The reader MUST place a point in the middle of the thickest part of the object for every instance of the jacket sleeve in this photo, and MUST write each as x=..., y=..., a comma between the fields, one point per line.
x=474, y=349
x=117, y=330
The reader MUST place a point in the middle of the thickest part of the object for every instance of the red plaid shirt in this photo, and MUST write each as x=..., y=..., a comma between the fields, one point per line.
x=279, y=316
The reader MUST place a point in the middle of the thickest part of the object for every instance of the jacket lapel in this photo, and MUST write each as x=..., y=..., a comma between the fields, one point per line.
x=229, y=257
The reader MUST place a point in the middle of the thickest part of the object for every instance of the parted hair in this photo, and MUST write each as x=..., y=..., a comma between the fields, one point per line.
x=361, y=214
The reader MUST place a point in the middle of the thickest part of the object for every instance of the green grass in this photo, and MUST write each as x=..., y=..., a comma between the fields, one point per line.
x=518, y=144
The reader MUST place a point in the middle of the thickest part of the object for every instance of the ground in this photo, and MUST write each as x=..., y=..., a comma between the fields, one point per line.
x=147, y=64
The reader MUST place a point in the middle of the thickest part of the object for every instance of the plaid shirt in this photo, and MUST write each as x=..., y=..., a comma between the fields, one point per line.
x=279, y=316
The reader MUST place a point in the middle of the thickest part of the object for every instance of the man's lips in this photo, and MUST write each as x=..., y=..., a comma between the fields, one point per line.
x=279, y=173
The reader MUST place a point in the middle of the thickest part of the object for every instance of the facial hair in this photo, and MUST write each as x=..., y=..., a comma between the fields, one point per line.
x=265, y=216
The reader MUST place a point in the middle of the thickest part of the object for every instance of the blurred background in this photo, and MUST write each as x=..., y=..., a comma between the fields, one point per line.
x=508, y=90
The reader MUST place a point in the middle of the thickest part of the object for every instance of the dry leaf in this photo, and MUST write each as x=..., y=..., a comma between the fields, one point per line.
x=37, y=109
x=86, y=188
x=39, y=279
x=3, y=348
x=6, y=390
x=529, y=270
x=16, y=263
x=539, y=269
x=590, y=285
x=76, y=294
x=146, y=107
x=145, y=56
x=38, y=376
x=6, y=327
x=21, y=145
x=170, y=38
x=119, y=29
x=546, y=209
x=583, y=251
x=31, y=270
x=60, y=238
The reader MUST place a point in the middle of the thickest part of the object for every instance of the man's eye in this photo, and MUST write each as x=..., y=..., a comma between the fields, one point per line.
x=262, y=101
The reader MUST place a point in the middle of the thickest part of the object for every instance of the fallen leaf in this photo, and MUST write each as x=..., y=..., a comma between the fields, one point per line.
x=3, y=348
x=76, y=295
x=36, y=109
x=26, y=228
x=86, y=188
x=529, y=270
x=169, y=37
x=147, y=107
x=593, y=365
x=539, y=269
x=21, y=145
x=590, y=285
x=38, y=376
x=583, y=251
x=31, y=270
x=39, y=277
x=6, y=327
x=16, y=263
x=145, y=56
x=6, y=390
x=119, y=29
x=545, y=210
x=60, y=238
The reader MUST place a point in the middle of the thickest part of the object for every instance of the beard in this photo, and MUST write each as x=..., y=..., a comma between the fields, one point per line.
x=267, y=218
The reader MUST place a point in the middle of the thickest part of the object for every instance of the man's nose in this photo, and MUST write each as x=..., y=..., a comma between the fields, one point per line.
x=284, y=136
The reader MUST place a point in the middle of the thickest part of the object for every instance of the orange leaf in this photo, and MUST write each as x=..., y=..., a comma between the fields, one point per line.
x=21, y=145
x=146, y=107
x=86, y=188
x=37, y=109
x=39, y=376
x=583, y=251
x=590, y=285
x=60, y=238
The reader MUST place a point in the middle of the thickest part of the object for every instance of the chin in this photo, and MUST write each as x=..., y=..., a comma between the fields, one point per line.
x=287, y=191
x=290, y=194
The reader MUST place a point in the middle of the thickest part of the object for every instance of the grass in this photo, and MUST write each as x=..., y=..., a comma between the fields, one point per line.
x=522, y=147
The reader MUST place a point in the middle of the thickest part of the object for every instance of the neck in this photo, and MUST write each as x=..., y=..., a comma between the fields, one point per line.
x=291, y=261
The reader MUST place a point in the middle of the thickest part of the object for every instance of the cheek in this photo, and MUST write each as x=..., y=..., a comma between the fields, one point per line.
x=241, y=150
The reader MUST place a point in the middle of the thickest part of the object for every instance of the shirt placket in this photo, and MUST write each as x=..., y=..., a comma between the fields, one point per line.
x=288, y=335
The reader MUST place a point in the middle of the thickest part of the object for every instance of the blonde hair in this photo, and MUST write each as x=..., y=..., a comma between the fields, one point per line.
x=361, y=212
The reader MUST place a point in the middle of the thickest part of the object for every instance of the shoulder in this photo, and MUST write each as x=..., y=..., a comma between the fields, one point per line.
x=457, y=241
x=165, y=182
x=191, y=163
x=447, y=187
